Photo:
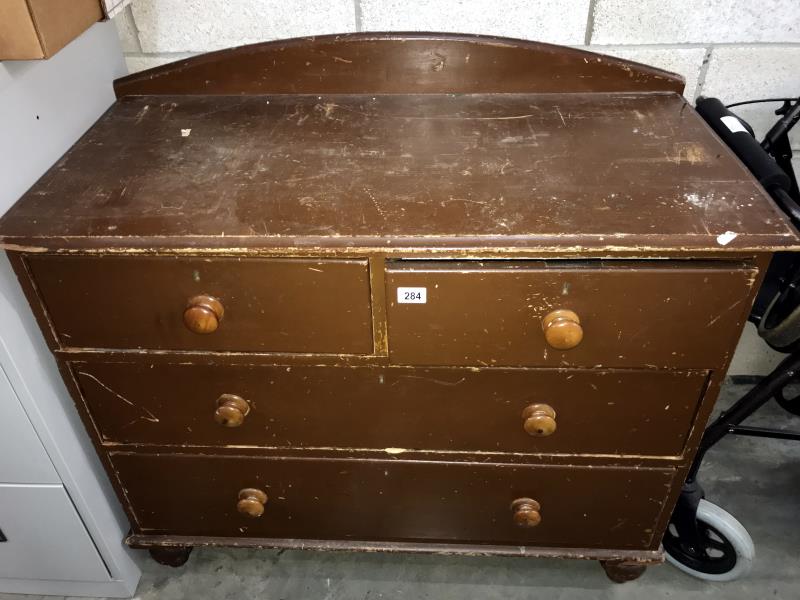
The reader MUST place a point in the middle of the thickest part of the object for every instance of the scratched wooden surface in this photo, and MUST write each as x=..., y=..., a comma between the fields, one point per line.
x=397, y=146
x=552, y=171
x=392, y=63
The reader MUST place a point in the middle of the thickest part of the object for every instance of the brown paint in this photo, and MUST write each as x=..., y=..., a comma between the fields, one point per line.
x=440, y=409
x=270, y=305
x=620, y=171
x=394, y=500
x=223, y=303
x=398, y=63
x=181, y=543
x=672, y=314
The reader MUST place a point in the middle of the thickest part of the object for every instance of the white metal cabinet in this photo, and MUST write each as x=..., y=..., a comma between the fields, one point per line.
x=64, y=525
x=22, y=457
x=45, y=537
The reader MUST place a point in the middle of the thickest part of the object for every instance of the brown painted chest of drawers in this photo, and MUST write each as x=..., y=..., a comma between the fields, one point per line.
x=420, y=292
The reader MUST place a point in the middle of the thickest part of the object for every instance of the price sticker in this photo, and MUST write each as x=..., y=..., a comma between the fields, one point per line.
x=412, y=295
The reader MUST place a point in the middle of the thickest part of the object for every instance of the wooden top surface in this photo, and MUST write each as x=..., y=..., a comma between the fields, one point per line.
x=546, y=172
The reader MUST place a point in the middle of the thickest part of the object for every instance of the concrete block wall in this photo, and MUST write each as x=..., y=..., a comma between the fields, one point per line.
x=734, y=49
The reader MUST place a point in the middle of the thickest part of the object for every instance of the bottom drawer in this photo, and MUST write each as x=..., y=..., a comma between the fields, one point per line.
x=43, y=537
x=385, y=500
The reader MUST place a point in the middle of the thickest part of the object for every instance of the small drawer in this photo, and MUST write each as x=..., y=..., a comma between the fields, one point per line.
x=223, y=304
x=493, y=410
x=566, y=313
x=595, y=507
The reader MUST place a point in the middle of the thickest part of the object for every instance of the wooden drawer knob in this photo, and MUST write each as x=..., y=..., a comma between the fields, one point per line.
x=526, y=512
x=251, y=502
x=562, y=329
x=540, y=420
x=203, y=314
x=231, y=410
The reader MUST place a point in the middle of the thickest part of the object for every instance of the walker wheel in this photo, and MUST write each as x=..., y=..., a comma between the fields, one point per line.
x=727, y=551
x=791, y=404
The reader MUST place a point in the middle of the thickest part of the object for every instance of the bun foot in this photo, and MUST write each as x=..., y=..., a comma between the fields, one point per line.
x=620, y=571
x=171, y=556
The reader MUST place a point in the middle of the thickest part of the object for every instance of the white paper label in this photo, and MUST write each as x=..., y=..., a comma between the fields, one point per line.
x=412, y=295
x=734, y=124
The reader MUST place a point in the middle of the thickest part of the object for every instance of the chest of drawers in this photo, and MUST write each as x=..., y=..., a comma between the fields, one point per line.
x=415, y=293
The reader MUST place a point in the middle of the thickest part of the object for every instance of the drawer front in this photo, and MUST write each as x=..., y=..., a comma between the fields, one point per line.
x=45, y=537
x=268, y=305
x=605, y=412
x=394, y=500
x=632, y=314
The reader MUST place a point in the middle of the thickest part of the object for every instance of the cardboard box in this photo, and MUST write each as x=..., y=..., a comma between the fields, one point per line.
x=31, y=29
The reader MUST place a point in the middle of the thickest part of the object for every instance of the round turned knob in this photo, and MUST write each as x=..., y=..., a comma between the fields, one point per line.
x=251, y=502
x=562, y=329
x=203, y=314
x=540, y=420
x=231, y=410
x=526, y=512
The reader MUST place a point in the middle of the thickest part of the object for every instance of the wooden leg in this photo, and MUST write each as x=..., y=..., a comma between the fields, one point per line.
x=171, y=556
x=620, y=571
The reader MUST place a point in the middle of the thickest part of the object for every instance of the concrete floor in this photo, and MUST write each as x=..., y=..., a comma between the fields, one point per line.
x=756, y=480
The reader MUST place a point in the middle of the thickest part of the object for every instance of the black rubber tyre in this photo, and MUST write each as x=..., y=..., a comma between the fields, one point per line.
x=791, y=404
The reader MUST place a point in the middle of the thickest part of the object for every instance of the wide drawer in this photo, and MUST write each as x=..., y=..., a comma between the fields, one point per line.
x=268, y=305
x=605, y=412
x=631, y=313
x=394, y=500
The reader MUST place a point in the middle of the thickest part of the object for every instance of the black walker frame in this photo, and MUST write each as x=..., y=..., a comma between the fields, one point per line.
x=770, y=162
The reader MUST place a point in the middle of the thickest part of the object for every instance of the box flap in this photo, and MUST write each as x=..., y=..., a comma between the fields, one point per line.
x=18, y=36
x=58, y=22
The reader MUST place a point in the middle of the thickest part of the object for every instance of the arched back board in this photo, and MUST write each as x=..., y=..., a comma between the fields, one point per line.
x=392, y=63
